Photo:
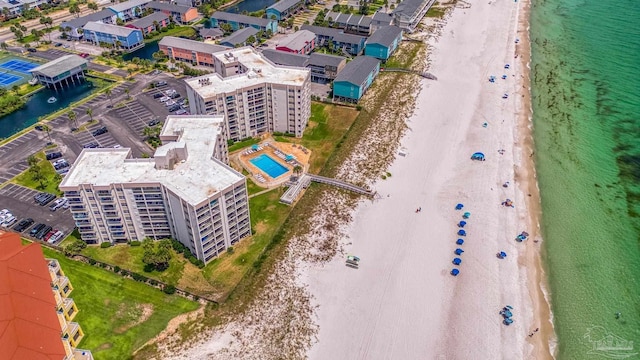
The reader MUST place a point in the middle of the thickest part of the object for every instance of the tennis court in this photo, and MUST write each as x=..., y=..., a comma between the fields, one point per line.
x=19, y=65
x=8, y=79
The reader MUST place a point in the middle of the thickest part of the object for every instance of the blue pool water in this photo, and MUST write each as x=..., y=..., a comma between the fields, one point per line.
x=265, y=163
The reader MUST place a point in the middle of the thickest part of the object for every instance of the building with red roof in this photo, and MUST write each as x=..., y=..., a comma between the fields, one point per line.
x=35, y=311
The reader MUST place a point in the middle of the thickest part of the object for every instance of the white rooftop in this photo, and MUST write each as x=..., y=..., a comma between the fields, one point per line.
x=195, y=179
x=259, y=70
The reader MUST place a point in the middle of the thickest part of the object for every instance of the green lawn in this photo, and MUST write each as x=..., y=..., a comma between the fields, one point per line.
x=130, y=258
x=50, y=181
x=327, y=126
x=110, y=309
x=177, y=31
x=243, y=144
x=267, y=215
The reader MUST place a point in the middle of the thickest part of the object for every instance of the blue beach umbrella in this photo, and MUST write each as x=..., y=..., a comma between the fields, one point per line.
x=462, y=232
x=462, y=224
x=466, y=215
x=460, y=242
x=457, y=261
x=459, y=207
x=459, y=251
x=455, y=272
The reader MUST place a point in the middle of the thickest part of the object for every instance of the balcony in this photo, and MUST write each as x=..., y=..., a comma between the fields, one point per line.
x=79, y=354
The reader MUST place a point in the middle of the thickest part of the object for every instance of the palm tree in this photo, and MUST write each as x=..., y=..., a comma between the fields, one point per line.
x=90, y=113
x=73, y=117
x=127, y=91
x=108, y=92
x=47, y=129
x=16, y=89
x=3, y=45
x=297, y=169
x=32, y=160
x=118, y=44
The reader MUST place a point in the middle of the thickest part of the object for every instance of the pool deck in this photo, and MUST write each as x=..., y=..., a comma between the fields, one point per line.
x=277, y=151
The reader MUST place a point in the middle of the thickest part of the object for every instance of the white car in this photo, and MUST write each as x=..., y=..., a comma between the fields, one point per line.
x=169, y=103
x=8, y=221
x=56, y=237
x=165, y=99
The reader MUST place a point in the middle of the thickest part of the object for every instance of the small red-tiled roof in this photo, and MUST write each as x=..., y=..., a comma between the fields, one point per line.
x=29, y=327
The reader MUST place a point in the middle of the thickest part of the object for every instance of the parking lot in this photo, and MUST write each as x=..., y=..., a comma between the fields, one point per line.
x=19, y=200
x=135, y=115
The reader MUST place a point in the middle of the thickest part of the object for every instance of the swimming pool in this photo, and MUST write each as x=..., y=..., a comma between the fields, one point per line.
x=265, y=163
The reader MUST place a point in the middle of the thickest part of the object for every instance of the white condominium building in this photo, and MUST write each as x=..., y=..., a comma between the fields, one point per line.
x=255, y=95
x=186, y=191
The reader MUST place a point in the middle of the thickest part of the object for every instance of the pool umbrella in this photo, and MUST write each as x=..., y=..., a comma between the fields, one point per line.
x=254, y=147
x=455, y=272
x=466, y=215
x=459, y=251
x=462, y=232
x=462, y=224
x=460, y=242
x=457, y=261
x=459, y=207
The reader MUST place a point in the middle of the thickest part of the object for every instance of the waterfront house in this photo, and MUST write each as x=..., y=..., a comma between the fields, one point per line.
x=129, y=10
x=350, y=23
x=337, y=40
x=408, y=14
x=324, y=67
x=383, y=42
x=75, y=25
x=194, y=52
x=120, y=37
x=181, y=14
x=356, y=77
x=238, y=21
x=381, y=19
x=283, y=9
x=150, y=23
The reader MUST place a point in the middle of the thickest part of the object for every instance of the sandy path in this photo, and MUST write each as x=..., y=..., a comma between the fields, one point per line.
x=402, y=303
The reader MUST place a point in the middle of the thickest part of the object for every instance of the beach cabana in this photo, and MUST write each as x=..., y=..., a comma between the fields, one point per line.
x=466, y=215
x=460, y=242
x=462, y=232
x=478, y=156
x=458, y=251
x=462, y=224
x=455, y=272
x=457, y=261
x=459, y=207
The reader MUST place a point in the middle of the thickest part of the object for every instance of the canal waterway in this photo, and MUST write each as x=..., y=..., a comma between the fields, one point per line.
x=37, y=106
x=250, y=6
x=144, y=53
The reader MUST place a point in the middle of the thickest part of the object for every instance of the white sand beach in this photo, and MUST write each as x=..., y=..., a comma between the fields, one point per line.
x=402, y=303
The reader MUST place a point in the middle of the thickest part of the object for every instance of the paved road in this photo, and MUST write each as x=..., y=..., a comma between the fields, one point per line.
x=57, y=17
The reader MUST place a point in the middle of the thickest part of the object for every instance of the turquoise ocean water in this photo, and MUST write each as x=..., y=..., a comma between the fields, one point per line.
x=586, y=102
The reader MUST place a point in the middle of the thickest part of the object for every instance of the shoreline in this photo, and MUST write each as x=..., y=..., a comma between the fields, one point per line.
x=537, y=280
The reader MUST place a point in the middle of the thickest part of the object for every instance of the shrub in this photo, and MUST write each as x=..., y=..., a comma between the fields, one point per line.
x=116, y=269
x=135, y=243
x=138, y=277
x=92, y=262
x=359, y=107
x=105, y=245
x=230, y=250
x=169, y=289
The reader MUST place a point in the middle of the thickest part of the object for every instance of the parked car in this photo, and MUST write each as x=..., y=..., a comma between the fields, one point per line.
x=175, y=107
x=45, y=199
x=23, y=224
x=57, y=236
x=154, y=122
x=48, y=235
x=84, y=55
x=175, y=95
x=100, y=131
x=158, y=95
x=36, y=229
x=165, y=99
x=61, y=164
x=91, y=145
x=161, y=83
x=182, y=112
x=58, y=44
x=54, y=155
x=32, y=50
x=8, y=221
x=58, y=204
x=40, y=234
x=39, y=127
x=170, y=103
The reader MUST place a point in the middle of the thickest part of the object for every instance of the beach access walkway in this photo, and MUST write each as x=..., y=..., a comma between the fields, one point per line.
x=425, y=75
x=295, y=188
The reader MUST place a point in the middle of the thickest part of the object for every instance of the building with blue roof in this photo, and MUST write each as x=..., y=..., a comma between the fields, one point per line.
x=283, y=9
